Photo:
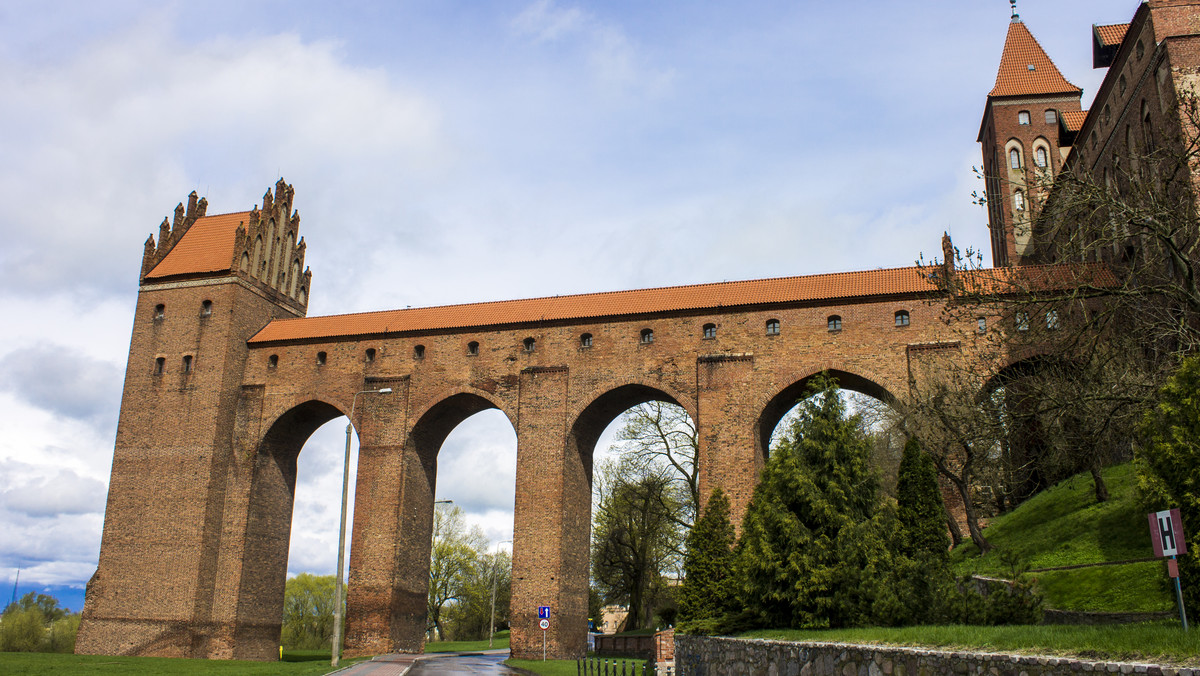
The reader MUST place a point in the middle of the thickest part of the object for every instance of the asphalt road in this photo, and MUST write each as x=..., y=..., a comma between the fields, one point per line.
x=461, y=664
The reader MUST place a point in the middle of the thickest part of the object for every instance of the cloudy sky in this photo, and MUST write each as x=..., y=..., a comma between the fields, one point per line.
x=446, y=151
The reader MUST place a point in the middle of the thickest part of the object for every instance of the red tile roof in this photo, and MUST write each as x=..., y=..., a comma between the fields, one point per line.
x=1025, y=69
x=206, y=247
x=1073, y=119
x=1112, y=34
x=810, y=288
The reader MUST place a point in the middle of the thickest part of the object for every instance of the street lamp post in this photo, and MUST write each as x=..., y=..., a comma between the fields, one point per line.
x=337, y=586
x=492, y=623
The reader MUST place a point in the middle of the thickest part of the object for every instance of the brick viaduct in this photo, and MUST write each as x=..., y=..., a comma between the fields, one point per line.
x=226, y=380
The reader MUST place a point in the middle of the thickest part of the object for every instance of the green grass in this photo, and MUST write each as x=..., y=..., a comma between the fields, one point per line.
x=1133, y=587
x=1161, y=642
x=295, y=663
x=1065, y=526
x=501, y=641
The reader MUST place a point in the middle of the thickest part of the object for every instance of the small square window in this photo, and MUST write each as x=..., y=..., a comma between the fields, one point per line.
x=1022, y=321
x=902, y=318
x=160, y=312
x=834, y=323
x=1052, y=319
x=585, y=340
x=981, y=325
x=772, y=327
x=273, y=361
x=472, y=348
x=370, y=355
x=321, y=357
x=1023, y=117
x=419, y=352
x=647, y=336
x=1051, y=117
x=530, y=344
x=710, y=331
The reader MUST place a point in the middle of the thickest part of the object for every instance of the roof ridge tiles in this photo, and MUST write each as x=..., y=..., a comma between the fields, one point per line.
x=532, y=299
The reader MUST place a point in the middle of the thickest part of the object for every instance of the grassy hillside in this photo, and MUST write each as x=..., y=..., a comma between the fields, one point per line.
x=1065, y=526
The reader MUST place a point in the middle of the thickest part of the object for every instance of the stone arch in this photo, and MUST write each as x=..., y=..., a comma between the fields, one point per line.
x=773, y=410
x=448, y=410
x=269, y=523
x=590, y=422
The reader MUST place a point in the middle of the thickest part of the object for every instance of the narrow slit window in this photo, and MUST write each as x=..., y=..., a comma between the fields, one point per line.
x=902, y=318
x=473, y=348
x=160, y=311
x=160, y=364
x=710, y=331
x=585, y=340
x=834, y=323
x=370, y=356
x=772, y=327
x=206, y=308
x=321, y=357
x=647, y=336
x=981, y=325
x=187, y=363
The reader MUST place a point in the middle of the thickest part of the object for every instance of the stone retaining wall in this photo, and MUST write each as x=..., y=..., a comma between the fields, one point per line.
x=710, y=656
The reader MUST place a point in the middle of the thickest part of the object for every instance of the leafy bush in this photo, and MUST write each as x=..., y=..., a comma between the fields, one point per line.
x=35, y=623
x=1169, y=464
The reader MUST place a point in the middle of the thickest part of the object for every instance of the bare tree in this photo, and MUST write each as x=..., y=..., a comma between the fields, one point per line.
x=660, y=435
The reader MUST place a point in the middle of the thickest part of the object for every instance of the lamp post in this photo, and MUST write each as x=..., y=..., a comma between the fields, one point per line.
x=337, y=586
x=492, y=623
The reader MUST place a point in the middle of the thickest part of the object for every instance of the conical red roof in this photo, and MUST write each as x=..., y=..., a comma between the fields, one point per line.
x=1025, y=69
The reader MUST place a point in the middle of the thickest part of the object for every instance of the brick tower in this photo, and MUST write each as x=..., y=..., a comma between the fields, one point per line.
x=1021, y=139
x=168, y=554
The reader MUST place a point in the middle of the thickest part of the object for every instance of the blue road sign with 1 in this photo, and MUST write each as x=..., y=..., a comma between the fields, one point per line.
x=543, y=612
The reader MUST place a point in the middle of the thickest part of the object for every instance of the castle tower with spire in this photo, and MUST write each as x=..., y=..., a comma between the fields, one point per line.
x=1021, y=140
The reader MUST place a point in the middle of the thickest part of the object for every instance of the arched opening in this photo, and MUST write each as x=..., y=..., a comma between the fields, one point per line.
x=860, y=392
x=1054, y=417
x=636, y=450
x=269, y=555
x=468, y=456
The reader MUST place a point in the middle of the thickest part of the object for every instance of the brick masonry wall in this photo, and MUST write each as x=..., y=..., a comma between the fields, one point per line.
x=709, y=656
x=196, y=533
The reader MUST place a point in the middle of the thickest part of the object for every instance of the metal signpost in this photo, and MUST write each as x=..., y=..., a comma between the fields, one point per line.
x=544, y=623
x=1166, y=533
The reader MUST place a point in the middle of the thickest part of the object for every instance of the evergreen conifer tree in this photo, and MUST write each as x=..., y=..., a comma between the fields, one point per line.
x=811, y=553
x=920, y=508
x=706, y=591
x=1169, y=466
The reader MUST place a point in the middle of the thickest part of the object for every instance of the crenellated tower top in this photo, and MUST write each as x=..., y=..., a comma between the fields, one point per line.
x=261, y=246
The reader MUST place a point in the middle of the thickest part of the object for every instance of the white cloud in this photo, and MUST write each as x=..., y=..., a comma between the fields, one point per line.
x=122, y=114
x=63, y=494
x=545, y=21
